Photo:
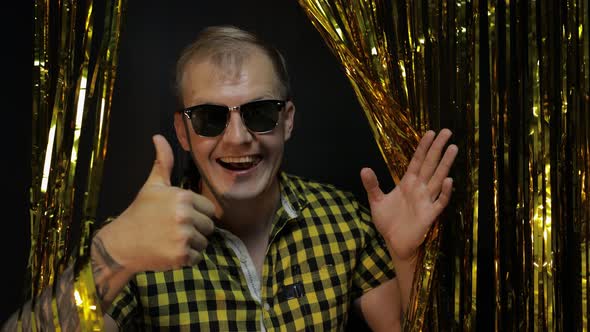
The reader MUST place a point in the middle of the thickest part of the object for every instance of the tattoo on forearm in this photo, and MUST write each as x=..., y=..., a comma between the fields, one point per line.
x=108, y=260
x=102, y=261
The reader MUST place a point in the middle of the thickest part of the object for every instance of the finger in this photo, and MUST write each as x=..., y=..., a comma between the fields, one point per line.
x=164, y=161
x=433, y=156
x=442, y=171
x=202, y=223
x=194, y=257
x=420, y=153
x=445, y=196
x=203, y=205
x=371, y=185
x=198, y=241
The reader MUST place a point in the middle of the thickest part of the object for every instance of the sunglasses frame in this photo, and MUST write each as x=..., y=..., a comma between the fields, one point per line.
x=189, y=110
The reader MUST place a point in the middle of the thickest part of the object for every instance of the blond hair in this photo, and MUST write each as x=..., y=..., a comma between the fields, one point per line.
x=228, y=47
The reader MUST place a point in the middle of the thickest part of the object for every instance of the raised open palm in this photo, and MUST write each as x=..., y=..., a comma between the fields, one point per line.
x=404, y=215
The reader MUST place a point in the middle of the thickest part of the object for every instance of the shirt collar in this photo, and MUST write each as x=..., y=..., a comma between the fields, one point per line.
x=293, y=201
x=293, y=196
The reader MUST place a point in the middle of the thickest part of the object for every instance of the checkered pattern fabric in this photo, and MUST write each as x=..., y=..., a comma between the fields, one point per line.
x=324, y=252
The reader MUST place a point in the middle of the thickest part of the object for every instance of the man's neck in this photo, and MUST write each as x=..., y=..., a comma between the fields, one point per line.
x=248, y=219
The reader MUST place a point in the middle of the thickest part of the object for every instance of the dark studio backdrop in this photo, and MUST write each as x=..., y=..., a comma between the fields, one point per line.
x=331, y=141
x=487, y=76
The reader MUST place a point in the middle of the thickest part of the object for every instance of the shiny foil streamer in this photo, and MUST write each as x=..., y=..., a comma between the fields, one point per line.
x=540, y=110
x=384, y=61
x=87, y=303
x=354, y=31
x=425, y=51
x=512, y=80
x=68, y=109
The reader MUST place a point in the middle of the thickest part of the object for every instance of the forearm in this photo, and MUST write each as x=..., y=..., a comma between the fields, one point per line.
x=109, y=276
x=381, y=307
x=404, y=276
x=385, y=306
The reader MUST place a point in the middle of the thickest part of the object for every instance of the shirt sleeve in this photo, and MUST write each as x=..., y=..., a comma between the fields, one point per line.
x=125, y=309
x=374, y=265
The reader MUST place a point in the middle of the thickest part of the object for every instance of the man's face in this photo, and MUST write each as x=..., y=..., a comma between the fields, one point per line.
x=221, y=159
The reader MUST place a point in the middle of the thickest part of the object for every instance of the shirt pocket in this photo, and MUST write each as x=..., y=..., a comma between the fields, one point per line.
x=322, y=295
x=324, y=287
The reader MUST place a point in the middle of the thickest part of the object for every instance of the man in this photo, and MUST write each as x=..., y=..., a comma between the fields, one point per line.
x=248, y=247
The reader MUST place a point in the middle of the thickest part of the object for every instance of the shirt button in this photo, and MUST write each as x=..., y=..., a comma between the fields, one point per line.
x=266, y=306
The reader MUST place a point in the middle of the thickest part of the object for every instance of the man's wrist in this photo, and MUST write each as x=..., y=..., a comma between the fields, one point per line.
x=408, y=261
x=405, y=269
x=109, y=274
x=107, y=250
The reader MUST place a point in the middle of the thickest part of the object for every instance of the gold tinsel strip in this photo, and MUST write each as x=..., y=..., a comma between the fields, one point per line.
x=582, y=199
x=539, y=168
x=102, y=88
x=538, y=81
x=89, y=310
x=534, y=207
x=39, y=117
x=473, y=112
x=62, y=54
x=357, y=35
x=343, y=26
x=497, y=111
x=81, y=107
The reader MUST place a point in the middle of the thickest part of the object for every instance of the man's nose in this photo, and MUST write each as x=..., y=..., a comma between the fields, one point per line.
x=236, y=132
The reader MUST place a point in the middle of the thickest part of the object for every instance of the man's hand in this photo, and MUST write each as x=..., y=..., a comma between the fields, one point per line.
x=165, y=227
x=404, y=215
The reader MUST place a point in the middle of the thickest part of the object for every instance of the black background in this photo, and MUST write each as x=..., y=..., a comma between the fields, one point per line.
x=331, y=141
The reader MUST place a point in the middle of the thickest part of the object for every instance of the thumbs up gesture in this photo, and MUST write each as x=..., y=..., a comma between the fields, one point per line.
x=404, y=215
x=165, y=227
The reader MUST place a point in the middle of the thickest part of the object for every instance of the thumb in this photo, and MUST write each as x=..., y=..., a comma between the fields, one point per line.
x=371, y=185
x=164, y=161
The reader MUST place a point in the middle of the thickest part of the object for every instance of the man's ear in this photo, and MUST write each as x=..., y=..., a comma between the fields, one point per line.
x=289, y=119
x=179, y=126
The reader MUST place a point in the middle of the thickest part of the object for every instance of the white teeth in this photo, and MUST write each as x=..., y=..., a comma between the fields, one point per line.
x=244, y=159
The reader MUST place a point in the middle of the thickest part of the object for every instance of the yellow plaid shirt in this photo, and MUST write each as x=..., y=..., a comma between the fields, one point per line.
x=324, y=252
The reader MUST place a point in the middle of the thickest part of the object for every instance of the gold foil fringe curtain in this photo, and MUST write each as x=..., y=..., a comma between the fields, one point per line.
x=387, y=75
x=73, y=75
x=512, y=80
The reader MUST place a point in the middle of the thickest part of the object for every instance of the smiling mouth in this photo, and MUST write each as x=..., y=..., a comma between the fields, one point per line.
x=239, y=163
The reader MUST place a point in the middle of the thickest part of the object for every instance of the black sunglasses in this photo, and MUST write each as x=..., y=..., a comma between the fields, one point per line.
x=260, y=116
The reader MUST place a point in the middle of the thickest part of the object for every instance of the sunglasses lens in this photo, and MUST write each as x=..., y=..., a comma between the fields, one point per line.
x=209, y=120
x=261, y=116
